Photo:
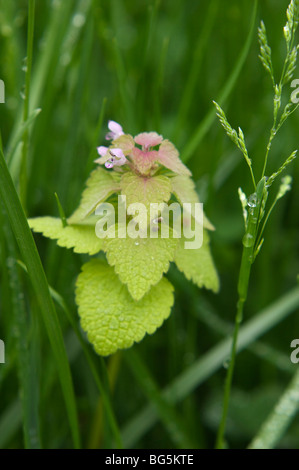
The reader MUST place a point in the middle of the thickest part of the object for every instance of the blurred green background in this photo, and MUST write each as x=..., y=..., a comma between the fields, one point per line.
x=149, y=65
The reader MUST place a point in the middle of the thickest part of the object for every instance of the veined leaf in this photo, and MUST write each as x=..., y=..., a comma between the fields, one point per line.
x=100, y=185
x=140, y=262
x=198, y=265
x=109, y=315
x=155, y=189
x=183, y=188
x=81, y=238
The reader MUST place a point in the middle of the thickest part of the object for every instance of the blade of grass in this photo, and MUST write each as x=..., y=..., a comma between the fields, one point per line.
x=158, y=86
x=23, y=168
x=97, y=429
x=38, y=279
x=104, y=391
x=204, y=312
x=18, y=136
x=213, y=360
x=123, y=88
x=27, y=367
x=95, y=141
x=206, y=123
x=280, y=418
x=168, y=415
x=10, y=422
x=199, y=49
x=68, y=166
x=47, y=60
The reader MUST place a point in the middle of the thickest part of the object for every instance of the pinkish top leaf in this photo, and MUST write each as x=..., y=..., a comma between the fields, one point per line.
x=169, y=157
x=148, y=139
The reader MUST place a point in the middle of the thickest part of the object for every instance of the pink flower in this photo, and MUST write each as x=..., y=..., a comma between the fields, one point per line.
x=154, y=152
x=111, y=157
x=102, y=150
x=115, y=130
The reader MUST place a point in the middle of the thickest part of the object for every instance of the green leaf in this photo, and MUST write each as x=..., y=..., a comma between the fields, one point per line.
x=109, y=315
x=183, y=188
x=155, y=189
x=198, y=265
x=81, y=238
x=140, y=262
x=100, y=185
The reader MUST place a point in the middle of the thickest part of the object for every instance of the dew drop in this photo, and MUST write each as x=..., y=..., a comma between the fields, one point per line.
x=24, y=65
x=78, y=20
x=226, y=363
x=252, y=200
x=136, y=243
x=248, y=240
x=109, y=164
x=157, y=220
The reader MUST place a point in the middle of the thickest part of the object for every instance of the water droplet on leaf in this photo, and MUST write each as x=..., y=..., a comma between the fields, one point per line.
x=226, y=363
x=248, y=240
x=252, y=200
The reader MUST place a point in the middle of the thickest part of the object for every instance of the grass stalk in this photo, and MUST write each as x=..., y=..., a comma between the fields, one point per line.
x=39, y=282
x=28, y=67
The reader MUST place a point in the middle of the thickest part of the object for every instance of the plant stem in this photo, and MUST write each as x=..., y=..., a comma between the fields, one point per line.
x=249, y=243
x=28, y=67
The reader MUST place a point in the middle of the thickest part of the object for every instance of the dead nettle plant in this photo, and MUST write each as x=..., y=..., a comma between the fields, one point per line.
x=128, y=211
x=254, y=207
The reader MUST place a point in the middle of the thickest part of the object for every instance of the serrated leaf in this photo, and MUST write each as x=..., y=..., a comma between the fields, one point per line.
x=140, y=262
x=169, y=157
x=100, y=185
x=198, y=265
x=155, y=189
x=109, y=315
x=183, y=188
x=81, y=238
